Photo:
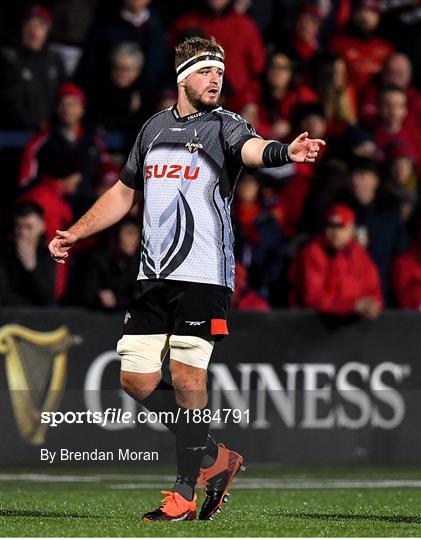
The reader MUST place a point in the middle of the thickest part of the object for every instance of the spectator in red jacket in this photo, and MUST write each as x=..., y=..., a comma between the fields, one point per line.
x=305, y=40
x=406, y=277
x=333, y=274
x=281, y=94
x=397, y=71
x=66, y=131
x=60, y=174
x=238, y=35
x=362, y=50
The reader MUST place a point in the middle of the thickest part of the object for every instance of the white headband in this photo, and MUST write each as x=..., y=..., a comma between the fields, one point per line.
x=198, y=62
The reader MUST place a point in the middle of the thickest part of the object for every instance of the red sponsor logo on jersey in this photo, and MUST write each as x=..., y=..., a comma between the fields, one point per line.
x=172, y=171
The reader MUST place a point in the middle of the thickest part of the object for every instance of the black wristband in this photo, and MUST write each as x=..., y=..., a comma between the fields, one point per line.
x=275, y=154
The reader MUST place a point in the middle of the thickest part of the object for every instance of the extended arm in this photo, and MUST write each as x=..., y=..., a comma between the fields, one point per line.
x=107, y=210
x=257, y=152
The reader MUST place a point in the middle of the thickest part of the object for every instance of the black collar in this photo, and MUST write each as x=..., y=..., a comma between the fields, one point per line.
x=191, y=116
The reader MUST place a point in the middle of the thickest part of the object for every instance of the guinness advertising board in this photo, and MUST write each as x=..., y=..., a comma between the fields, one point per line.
x=286, y=387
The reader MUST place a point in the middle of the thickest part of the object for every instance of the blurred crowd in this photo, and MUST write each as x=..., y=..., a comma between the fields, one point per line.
x=342, y=237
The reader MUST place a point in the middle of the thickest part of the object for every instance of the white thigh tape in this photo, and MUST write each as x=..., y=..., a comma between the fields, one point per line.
x=191, y=350
x=142, y=353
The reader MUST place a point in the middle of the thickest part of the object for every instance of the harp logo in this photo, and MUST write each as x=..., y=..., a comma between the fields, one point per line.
x=36, y=369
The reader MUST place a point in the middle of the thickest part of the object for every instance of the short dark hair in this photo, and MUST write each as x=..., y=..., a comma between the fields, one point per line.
x=27, y=209
x=192, y=46
x=388, y=88
x=365, y=164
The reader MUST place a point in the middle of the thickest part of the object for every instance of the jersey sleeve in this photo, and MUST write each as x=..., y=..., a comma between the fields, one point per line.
x=236, y=131
x=132, y=173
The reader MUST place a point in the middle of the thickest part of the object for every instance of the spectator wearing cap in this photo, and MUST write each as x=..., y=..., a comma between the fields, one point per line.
x=67, y=131
x=134, y=21
x=333, y=274
x=239, y=36
x=281, y=94
x=305, y=38
x=363, y=51
x=26, y=267
x=380, y=228
x=406, y=277
x=29, y=74
x=397, y=72
x=391, y=128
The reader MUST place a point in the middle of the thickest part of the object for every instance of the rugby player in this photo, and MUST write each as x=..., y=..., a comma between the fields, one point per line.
x=185, y=162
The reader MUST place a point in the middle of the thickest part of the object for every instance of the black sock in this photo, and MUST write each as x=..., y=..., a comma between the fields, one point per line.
x=191, y=441
x=163, y=399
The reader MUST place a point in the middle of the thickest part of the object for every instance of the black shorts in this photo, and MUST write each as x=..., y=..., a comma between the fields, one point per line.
x=182, y=308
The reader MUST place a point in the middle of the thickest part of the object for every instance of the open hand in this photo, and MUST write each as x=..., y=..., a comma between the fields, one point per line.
x=305, y=150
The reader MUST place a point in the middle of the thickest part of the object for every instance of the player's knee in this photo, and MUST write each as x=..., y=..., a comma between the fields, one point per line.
x=185, y=385
x=191, y=399
x=190, y=394
x=126, y=382
x=139, y=386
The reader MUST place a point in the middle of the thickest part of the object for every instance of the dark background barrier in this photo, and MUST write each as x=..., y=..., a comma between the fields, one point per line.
x=318, y=390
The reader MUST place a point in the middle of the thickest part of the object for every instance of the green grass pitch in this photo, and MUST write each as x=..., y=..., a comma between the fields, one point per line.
x=264, y=502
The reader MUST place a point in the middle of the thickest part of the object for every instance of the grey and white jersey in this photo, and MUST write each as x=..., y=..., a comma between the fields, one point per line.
x=187, y=169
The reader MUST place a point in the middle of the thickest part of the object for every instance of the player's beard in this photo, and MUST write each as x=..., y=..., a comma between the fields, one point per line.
x=195, y=99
